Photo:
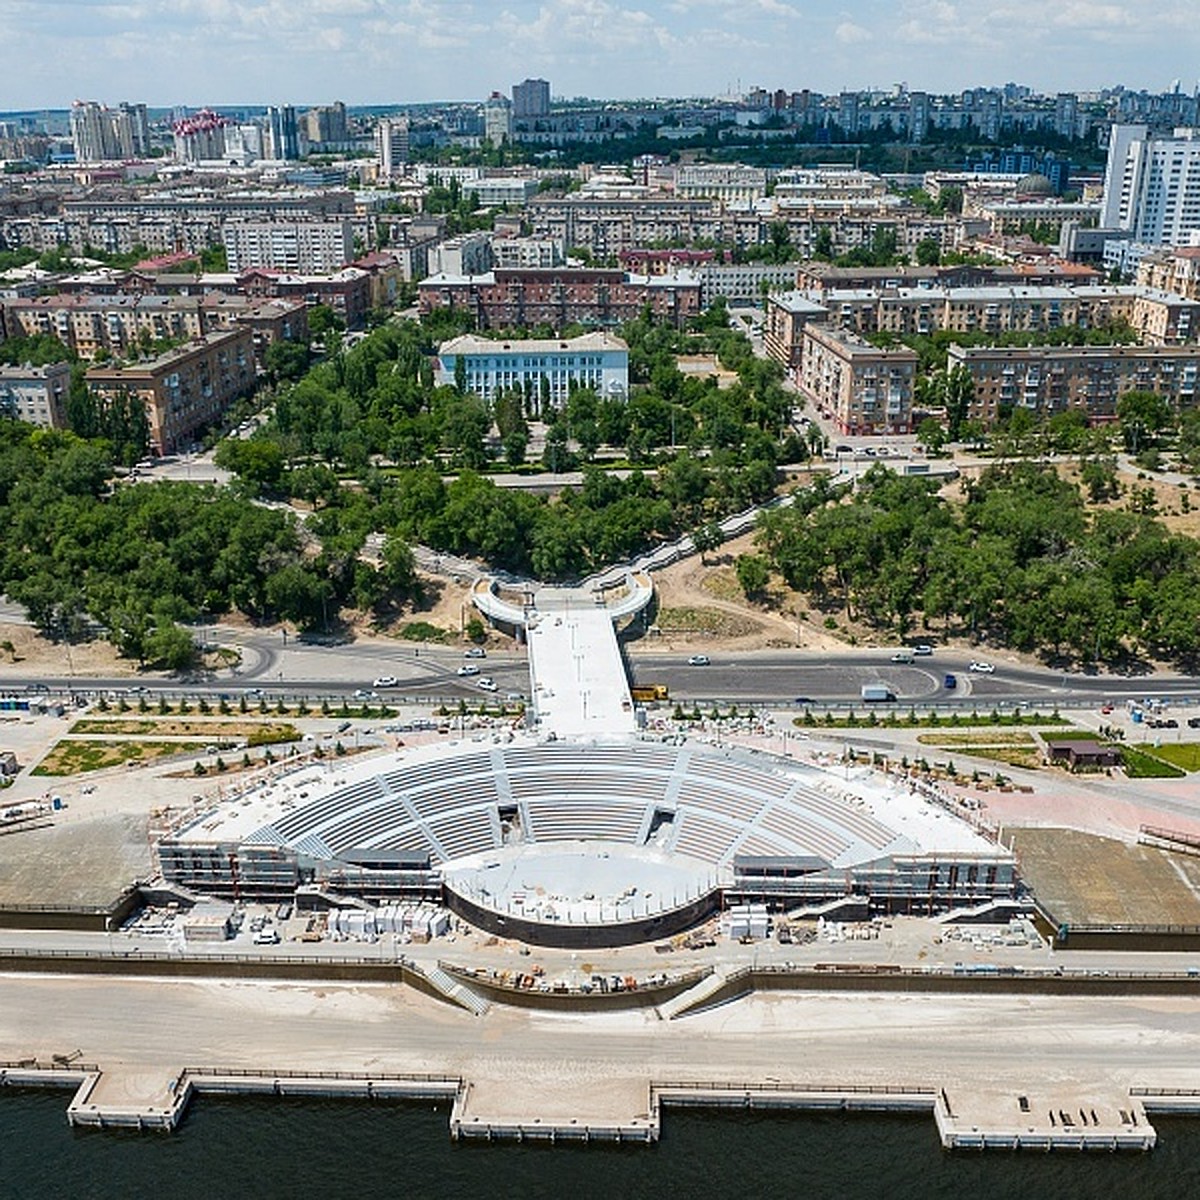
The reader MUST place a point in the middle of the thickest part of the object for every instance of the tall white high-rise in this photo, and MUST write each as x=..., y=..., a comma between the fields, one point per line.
x=498, y=119
x=100, y=133
x=1152, y=185
x=391, y=145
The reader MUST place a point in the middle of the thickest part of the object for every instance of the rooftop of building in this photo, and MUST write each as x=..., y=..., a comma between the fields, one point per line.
x=470, y=343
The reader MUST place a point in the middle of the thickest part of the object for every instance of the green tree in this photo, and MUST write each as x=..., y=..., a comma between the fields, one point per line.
x=1142, y=415
x=753, y=574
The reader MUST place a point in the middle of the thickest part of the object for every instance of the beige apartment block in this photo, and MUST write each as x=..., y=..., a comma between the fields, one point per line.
x=184, y=390
x=865, y=389
x=1051, y=379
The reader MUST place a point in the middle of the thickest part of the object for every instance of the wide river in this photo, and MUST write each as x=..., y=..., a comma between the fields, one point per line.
x=265, y=1148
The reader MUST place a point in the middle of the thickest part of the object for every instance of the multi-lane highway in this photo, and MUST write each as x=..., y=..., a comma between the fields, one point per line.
x=272, y=667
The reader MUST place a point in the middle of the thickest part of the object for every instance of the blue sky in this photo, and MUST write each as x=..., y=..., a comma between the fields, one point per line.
x=191, y=52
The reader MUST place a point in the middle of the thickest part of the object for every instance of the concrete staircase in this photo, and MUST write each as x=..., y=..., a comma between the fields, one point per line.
x=694, y=997
x=454, y=991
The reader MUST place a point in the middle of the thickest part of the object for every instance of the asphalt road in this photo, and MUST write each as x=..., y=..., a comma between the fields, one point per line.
x=274, y=668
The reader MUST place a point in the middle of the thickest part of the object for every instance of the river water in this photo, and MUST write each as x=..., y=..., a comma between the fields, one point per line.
x=266, y=1148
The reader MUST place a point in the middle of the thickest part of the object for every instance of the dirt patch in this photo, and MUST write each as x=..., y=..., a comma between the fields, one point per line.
x=1081, y=879
x=710, y=587
x=33, y=654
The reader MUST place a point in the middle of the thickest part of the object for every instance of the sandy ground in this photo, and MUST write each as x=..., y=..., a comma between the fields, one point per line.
x=712, y=587
x=35, y=655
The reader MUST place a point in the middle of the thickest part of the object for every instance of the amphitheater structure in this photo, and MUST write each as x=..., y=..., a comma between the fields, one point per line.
x=580, y=828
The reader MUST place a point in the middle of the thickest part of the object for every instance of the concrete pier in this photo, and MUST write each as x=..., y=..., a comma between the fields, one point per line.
x=1075, y=1119
x=623, y=1110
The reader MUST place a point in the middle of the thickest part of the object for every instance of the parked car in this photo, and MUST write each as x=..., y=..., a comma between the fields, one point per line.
x=468, y=669
x=982, y=668
x=475, y=652
x=699, y=660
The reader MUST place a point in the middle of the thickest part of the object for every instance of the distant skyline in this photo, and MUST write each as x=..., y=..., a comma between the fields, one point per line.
x=192, y=52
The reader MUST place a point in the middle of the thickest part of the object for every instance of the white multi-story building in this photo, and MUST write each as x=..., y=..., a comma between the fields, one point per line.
x=545, y=369
x=1152, y=185
x=100, y=133
x=37, y=395
x=498, y=119
x=391, y=145
x=528, y=252
x=728, y=183
x=493, y=191
x=466, y=254
x=304, y=247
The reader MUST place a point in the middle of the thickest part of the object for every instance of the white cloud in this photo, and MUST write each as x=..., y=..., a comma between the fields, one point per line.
x=380, y=51
x=850, y=34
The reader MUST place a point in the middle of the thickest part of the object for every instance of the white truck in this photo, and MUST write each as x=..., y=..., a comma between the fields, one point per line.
x=877, y=693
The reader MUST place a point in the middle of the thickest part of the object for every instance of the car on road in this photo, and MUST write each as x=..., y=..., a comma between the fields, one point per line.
x=487, y=683
x=475, y=652
x=950, y=682
x=1194, y=722
x=923, y=650
x=386, y=681
x=804, y=700
x=902, y=656
x=363, y=694
x=699, y=660
x=981, y=668
x=468, y=669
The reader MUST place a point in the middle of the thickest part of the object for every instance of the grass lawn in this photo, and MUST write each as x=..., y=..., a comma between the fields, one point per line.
x=77, y=758
x=185, y=727
x=1140, y=765
x=1178, y=754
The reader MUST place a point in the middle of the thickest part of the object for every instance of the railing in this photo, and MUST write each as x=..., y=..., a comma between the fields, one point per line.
x=450, y=1081
x=850, y=1089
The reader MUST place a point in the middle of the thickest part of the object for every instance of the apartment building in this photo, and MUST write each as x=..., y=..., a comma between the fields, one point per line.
x=545, y=369
x=120, y=324
x=308, y=247
x=466, y=254
x=391, y=145
x=507, y=299
x=864, y=389
x=347, y=292
x=186, y=390
x=1157, y=316
x=1152, y=184
x=1051, y=379
x=743, y=283
x=531, y=99
x=36, y=395
x=783, y=327
x=528, y=252
x=102, y=134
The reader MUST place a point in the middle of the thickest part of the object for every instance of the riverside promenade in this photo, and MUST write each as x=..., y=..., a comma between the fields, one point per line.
x=527, y=1073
